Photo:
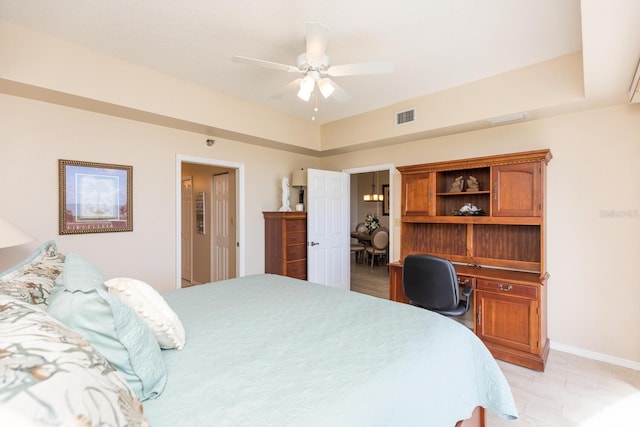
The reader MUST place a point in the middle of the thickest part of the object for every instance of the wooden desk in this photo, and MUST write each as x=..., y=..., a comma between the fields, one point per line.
x=508, y=316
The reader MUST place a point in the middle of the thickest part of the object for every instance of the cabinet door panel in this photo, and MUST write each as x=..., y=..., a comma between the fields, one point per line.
x=517, y=190
x=416, y=195
x=507, y=321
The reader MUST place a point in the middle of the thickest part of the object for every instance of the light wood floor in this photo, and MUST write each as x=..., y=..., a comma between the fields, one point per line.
x=572, y=391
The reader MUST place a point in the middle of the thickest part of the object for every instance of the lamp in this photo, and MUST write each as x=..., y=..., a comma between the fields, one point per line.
x=299, y=179
x=326, y=87
x=374, y=196
x=10, y=235
x=306, y=88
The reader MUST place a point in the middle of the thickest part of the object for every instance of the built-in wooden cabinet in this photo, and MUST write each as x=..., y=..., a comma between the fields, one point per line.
x=517, y=190
x=285, y=240
x=417, y=195
x=501, y=247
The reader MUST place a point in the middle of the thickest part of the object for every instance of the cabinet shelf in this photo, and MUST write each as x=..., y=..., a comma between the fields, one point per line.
x=462, y=193
x=471, y=219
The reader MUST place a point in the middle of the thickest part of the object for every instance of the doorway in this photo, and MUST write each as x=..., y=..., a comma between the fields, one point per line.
x=209, y=218
x=364, y=278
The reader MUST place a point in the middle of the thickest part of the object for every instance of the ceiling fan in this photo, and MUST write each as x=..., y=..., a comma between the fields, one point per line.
x=316, y=67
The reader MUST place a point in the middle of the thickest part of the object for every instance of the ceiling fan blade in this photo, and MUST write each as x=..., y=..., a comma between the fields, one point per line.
x=317, y=35
x=376, y=67
x=339, y=94
x=289, y=87
x=265, y=64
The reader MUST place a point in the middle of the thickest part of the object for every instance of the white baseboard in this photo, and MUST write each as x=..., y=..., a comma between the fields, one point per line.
x=595, y=356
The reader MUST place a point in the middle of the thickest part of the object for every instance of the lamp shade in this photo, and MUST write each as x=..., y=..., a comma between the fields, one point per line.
x=299, y=178
x=306, y=88
x=374, y=196
x=326, y=87
x=10, y=235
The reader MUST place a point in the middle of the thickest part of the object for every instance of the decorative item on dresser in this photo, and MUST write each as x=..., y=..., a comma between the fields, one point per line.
x=299, y=179
x=507, y=239
x=285, y=195
x=285, y=244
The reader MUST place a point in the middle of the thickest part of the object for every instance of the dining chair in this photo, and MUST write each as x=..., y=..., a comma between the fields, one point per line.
x=379, y=244
x=358, y=249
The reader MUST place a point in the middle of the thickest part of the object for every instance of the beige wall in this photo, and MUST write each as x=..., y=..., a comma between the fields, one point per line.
x=34, y=135
x=35, y=60
x=593, y=211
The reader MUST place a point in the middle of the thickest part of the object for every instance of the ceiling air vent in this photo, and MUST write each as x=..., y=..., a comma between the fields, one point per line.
x=404, y=117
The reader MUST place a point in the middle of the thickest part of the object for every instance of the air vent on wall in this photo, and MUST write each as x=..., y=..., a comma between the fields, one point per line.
x=405, y=117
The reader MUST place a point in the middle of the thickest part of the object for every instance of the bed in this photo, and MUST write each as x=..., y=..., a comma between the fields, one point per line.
x=267, y=350
x=280, y=351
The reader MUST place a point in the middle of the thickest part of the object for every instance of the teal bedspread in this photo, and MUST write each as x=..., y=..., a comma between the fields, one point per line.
x=268, y=350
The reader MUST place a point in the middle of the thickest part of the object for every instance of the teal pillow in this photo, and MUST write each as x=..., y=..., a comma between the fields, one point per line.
x=80, y=301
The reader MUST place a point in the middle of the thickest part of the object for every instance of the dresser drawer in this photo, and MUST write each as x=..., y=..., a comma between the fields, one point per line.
x=297, y=269
x=507, y=288
x=296, y=237
x=296, y=225
x=296, y=252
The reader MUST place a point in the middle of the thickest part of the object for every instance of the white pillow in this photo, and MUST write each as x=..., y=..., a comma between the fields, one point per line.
x=152, y=308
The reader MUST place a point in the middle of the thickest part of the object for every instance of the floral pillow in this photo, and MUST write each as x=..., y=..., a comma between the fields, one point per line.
x=33, y=279
x=50, y=375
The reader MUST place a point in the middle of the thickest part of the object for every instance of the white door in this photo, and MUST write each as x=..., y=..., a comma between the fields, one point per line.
x=186, y=228
x=328, y=228
x=220, y=235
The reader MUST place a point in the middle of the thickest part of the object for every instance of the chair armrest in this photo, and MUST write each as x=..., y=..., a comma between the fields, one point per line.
x=467, y=291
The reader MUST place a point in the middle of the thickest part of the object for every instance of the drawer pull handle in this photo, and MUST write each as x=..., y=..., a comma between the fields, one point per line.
x=504, y=289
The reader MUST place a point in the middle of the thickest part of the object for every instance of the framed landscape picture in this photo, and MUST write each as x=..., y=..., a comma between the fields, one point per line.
x=385, y=200
x=94, y=197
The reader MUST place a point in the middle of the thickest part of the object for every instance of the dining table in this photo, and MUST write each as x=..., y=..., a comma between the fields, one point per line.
x=361, y=237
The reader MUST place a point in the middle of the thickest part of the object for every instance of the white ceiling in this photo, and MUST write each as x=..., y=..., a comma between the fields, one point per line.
x=434, y=44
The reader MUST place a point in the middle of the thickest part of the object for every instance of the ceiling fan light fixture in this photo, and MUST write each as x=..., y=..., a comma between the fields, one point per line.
x=306, y=88
x=326, y=87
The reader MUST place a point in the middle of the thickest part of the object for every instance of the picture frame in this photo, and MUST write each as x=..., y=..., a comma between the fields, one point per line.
x=385, y=200
x=94, y=197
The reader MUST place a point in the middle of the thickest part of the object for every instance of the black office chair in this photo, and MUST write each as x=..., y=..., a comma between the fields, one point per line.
x=431, y=283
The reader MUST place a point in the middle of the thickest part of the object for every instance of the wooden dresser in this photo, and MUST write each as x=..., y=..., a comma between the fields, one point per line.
x=285, y=244
x=502, y=252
